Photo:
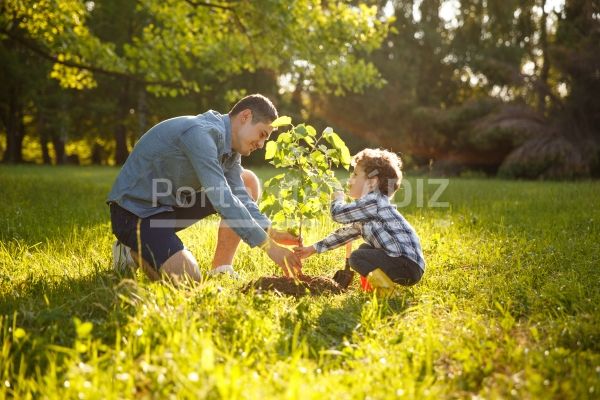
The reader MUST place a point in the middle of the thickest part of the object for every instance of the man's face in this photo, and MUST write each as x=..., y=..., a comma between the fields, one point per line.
x=252, y=136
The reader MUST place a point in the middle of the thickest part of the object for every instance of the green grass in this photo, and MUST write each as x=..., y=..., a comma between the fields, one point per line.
x=508, y=306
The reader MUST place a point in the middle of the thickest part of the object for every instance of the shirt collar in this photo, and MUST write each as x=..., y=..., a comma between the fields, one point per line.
x=227, y=122
x=377, y=194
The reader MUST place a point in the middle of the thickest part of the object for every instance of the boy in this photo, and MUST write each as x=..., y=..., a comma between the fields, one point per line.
x=392, y=252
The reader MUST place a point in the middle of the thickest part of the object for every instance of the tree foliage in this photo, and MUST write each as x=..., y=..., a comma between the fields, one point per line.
x=473, y=88
x=304, y=189
x=177, y=47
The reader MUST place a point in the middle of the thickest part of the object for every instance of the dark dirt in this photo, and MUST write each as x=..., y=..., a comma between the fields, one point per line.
x=313, y=285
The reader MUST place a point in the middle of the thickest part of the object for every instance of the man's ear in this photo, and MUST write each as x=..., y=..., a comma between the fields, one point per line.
x=246, y=115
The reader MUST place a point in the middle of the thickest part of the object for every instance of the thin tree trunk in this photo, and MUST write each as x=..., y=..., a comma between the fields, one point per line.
x=121, y=151
x=45, y=151
x=59, y=149
x=543, y=86
x=14, y=132
x=142, y=111
x=44, y=137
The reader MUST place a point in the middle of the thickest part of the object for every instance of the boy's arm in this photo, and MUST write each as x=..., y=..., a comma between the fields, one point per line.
x=360, y=210
x=338, y=238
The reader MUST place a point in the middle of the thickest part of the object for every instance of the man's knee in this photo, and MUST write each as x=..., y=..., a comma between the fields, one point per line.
x=252, y=184
x=181, y=264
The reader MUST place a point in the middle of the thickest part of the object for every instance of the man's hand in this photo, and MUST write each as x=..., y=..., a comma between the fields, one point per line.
x=288, y=261
x=304, y=252
x=285, y=238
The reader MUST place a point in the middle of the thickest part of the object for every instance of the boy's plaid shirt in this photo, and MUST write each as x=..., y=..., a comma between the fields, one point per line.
x=379, y=223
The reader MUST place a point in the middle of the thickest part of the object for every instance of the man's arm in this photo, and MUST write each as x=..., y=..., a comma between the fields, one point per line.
x=236, y=183
x=201, y=149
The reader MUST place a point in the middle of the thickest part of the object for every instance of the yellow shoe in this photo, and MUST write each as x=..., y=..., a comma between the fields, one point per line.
x=380, y=282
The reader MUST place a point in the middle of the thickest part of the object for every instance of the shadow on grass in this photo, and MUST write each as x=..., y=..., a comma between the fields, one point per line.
x=46, y=310
x=338, y=321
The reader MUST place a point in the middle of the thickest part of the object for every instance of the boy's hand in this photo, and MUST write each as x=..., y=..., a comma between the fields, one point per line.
x=304, y=252
x=338, y=195
x=285, y=238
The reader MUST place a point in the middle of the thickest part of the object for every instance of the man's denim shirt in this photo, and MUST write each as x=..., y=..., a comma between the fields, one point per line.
x=190, y=153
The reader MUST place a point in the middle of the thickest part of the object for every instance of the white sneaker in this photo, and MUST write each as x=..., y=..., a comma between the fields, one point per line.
x=122, y=260
x=224, y=269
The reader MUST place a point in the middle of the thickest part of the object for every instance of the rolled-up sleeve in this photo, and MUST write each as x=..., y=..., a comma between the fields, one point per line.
x=338, y=238
x=203, y=154
x=235, y=181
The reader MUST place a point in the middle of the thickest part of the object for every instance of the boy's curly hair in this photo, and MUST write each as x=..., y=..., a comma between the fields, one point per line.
x=383, y=164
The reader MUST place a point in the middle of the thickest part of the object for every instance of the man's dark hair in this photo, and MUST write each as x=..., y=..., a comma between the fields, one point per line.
x=262, y=109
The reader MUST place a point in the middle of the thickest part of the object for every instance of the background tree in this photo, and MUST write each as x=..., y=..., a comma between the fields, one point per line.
x=178, y=47
x=486, y=86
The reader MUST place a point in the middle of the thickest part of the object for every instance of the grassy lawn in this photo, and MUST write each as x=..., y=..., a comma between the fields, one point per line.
x=508, y=306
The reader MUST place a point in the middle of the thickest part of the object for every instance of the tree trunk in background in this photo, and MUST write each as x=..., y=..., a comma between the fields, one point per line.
x=142, y=111
x=14, y=130
x=45, y=152
x=543, y=86
x=42, y=131
x=121, y=151
x=59, y=149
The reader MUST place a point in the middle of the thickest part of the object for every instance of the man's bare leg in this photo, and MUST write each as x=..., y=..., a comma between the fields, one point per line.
x=180, y=266
x=227, y=239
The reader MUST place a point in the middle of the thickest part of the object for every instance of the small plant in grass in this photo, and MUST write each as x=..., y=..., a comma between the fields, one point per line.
x=303, y=191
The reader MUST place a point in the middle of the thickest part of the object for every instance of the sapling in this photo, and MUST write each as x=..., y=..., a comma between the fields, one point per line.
x=303, y=191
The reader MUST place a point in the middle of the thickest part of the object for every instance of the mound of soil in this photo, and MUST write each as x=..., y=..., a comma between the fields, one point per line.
x=313, y=285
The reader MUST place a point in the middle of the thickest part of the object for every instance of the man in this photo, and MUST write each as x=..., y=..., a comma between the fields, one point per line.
x=184, y=169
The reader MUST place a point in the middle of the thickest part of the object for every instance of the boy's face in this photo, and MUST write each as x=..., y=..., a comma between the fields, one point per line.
x=360, y=184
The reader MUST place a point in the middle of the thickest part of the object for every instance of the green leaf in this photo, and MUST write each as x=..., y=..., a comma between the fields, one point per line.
x=345, y=157
x=335, y=140
x=279, y=217
x=300, y=131
x=83, y=329
x=311, y=131
x=309, y=140
x=281, y=121
x=270, y=150
x=268, y=201
x=285, y=137
x=318, y=158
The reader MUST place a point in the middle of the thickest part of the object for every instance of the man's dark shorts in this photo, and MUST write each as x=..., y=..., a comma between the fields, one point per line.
x=156, y=235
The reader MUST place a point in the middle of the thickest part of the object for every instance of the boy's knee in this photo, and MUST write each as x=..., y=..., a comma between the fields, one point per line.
x=355, y=259
x=252, y=183
x=359, y=263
